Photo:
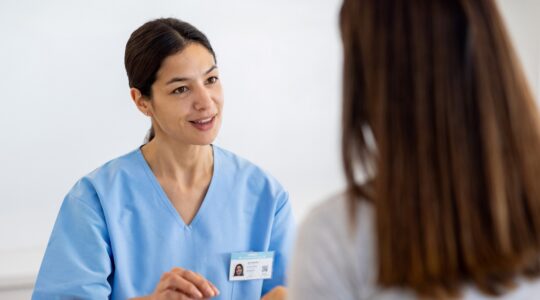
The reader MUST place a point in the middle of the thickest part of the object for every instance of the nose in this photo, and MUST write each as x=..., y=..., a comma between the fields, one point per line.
x=203, y=98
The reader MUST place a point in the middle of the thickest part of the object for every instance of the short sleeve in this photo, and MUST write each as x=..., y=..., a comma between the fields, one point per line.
x=281, y=240
x=78, y=261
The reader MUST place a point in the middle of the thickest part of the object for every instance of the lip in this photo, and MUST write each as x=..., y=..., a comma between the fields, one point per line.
x=204, y=124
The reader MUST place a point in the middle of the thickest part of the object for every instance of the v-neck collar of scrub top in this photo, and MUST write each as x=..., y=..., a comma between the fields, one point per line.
x=165, y=199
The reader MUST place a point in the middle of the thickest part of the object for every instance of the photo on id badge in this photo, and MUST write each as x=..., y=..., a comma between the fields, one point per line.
x=251, y=265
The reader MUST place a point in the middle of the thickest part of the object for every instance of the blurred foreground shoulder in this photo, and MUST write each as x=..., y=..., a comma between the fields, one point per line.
x=323, y=264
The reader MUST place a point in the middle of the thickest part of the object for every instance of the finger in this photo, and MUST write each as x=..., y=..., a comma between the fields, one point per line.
x=214, y=288
x=178, y=283
x=163, y=283
x=198, y=280
x=174, y=295
x=203, y=284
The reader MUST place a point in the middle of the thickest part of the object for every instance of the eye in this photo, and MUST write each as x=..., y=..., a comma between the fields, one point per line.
x=212, y=80
x=180, y=90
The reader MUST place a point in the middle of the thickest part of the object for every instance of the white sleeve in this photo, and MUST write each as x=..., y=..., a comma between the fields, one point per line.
x=322, y=266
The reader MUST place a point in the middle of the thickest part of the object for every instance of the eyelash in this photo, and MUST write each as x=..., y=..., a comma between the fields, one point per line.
x=180, y=90
x=183, y=89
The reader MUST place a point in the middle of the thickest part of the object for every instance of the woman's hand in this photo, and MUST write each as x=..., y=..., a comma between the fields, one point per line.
x=182, y=284
x=277, y=293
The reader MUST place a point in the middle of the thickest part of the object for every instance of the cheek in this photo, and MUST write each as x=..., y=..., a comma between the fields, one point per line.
x=174, y=114
x=218, y=96
x=220, y=103
x=182, y=109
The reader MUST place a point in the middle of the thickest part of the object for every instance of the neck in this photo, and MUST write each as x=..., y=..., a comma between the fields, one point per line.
x=181, y=163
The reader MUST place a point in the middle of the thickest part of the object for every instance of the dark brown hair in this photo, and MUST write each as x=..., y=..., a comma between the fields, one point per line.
x=150, y=44
x=438, y=115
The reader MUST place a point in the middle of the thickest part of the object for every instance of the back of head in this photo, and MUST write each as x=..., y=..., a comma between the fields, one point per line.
x=437, y=111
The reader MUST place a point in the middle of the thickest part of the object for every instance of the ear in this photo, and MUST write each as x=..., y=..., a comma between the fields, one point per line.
x=142, y=102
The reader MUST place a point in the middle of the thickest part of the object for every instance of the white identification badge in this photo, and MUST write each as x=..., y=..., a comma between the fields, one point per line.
x=251, y=265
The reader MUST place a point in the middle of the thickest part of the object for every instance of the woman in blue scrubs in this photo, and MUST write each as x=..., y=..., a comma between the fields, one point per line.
x=162, y=221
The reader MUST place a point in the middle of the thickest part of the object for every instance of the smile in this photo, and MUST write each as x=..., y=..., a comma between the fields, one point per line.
x=204, y=124
x=203, y=121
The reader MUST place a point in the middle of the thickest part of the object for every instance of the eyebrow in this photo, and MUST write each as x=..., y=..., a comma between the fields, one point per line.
x=176, y=79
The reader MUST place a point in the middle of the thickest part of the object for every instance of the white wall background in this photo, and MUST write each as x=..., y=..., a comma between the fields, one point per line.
x=66, y=108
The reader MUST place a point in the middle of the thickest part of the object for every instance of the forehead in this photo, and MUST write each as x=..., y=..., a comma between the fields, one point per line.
x=191, y=62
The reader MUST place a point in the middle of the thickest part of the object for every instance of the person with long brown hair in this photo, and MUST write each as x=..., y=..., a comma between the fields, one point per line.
x=441, y=153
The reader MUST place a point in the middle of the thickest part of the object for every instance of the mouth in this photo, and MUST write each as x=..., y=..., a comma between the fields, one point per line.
x=204, y=124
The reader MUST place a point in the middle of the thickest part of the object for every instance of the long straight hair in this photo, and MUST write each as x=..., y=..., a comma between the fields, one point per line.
x=438, y=115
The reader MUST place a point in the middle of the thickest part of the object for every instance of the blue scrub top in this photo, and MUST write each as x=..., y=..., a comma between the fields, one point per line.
x=117, y=232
